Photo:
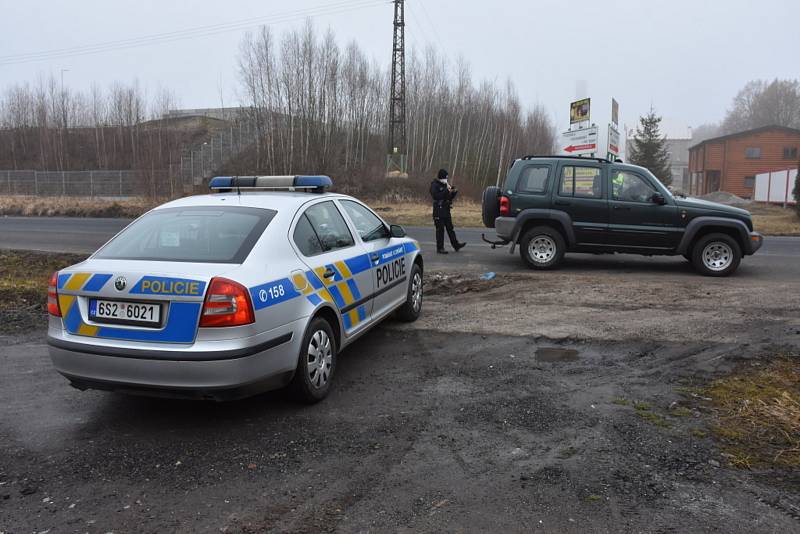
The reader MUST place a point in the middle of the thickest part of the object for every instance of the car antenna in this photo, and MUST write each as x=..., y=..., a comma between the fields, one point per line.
x=238, y=187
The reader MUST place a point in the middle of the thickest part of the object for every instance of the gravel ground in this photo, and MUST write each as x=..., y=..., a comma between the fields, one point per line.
x=532, y=402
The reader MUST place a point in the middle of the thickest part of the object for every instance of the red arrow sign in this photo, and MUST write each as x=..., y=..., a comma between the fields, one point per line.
x=573, y=148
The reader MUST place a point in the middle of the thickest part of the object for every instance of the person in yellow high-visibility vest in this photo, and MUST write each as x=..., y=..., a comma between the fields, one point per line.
x=616, y=185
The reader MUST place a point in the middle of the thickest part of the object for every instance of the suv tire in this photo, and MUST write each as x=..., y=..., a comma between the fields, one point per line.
x=412, y=307
x=490, y=206
x=312, y=379
x=542, y=247
x=716, y=255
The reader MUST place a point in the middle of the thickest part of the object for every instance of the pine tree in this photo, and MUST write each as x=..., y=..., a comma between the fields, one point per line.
x=649, y=148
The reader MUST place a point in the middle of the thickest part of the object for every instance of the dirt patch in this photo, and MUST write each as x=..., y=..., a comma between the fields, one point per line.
x=440, y=283
x=23, y=288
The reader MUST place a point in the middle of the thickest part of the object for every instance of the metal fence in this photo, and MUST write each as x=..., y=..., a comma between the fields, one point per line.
x=88, y=183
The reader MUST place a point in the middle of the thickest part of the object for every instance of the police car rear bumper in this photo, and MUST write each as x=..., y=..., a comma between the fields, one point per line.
x=249, y=368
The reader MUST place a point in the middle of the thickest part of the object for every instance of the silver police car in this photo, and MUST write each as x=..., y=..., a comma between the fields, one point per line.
x=254, y=287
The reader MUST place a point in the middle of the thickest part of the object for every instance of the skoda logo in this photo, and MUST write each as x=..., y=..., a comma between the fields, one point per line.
x=120, y=283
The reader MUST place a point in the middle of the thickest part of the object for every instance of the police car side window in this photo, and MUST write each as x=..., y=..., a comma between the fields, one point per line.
x=306, y=238
x=368, y=225
x=329, y=226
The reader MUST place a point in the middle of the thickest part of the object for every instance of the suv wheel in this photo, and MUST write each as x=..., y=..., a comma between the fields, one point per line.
x=542, y=247
x=490, y=207
x=716, y=255
x=317, y=363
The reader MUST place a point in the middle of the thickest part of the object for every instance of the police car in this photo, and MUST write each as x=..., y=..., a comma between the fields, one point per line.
x=256, y=286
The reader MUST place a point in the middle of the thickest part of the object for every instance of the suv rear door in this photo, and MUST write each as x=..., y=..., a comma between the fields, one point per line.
x=580, y=192
x=636, y=221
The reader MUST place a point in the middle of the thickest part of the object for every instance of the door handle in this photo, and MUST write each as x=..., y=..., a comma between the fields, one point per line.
x=561, y=203
x=329, y=273
x=374, y=258
x=626, y=208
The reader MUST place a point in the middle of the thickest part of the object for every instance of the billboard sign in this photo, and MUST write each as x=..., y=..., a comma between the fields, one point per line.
x=580, y=142
x=615, y=113
x=613, y=140
x=579, y=111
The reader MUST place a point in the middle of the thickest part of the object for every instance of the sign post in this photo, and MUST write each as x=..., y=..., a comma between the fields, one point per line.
x=580, y=142
x=580, y=111
x=613, y=143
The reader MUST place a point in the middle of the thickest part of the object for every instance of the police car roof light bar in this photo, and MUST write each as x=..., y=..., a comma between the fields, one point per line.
x=289, y=183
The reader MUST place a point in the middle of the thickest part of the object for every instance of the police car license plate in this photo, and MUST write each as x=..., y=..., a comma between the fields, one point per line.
x=115, y=311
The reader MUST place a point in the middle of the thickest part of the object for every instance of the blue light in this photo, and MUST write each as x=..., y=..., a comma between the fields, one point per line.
x=220, y=182
x=316, y=183
x=313, y=181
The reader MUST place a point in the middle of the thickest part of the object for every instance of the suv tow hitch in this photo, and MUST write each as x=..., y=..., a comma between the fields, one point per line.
x=495, y=244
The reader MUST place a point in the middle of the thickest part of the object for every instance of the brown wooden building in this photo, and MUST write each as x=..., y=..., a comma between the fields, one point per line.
x=731, y=162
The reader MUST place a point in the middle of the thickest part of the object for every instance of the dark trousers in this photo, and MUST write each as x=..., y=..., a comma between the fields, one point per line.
x=442, y=222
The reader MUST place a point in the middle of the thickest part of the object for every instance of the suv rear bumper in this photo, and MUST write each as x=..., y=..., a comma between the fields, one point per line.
x=504, y=226
x=754, y=242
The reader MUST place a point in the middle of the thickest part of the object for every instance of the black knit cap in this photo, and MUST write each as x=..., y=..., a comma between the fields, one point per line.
x=443, y=174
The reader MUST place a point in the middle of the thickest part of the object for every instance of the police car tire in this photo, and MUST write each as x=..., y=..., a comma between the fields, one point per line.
x=555, y=238
x=406, y=312
x=301, y=386
x=490, y=207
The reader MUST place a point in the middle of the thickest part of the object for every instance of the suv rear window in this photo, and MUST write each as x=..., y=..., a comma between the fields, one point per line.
x=533, y=179
x=192, y=234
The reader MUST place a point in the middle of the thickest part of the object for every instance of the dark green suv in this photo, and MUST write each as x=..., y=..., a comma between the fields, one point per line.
x=550, y=205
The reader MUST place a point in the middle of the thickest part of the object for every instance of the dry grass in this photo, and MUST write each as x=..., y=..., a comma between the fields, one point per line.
x=775, y=220
x=757, y=414
x=769, y=220
x=73, y=207
x=23, y=287
x=466, y=213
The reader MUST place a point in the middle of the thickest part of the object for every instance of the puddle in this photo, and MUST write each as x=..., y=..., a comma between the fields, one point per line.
x=556, y=355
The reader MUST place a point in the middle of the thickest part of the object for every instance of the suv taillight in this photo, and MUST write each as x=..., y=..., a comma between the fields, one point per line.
x=52, y=296
x=227, y=304
x=505, y=206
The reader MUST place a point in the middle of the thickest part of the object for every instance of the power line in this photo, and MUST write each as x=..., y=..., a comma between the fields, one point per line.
x=189, y=33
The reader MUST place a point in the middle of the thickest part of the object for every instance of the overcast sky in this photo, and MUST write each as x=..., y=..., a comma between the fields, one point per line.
x=687, y=58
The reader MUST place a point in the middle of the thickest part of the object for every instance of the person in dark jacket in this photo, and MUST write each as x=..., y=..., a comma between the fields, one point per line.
x=443, y=195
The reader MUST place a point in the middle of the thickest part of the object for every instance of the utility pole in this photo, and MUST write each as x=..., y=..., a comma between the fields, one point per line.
x=396, y=159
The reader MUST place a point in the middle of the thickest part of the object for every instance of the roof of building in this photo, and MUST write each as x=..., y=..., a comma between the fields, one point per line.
x=745, y=133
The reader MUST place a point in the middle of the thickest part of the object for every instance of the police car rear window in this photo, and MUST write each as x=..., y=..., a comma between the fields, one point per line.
x=193, y=234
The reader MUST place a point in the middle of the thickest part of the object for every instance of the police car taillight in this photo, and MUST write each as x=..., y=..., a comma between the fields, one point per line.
x=505, y=206
x=52, y=296
x=227, y=304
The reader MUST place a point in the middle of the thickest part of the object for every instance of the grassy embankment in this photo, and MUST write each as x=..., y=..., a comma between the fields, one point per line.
x=756, y=414
x=23, y=287
x=769, y=220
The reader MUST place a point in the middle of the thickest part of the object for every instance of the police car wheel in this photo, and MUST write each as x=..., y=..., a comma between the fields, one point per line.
x=317, y=363
x=542, y=247
x=412, y=307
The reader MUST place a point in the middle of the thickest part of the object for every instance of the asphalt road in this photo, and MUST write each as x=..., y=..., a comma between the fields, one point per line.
x=777, y=259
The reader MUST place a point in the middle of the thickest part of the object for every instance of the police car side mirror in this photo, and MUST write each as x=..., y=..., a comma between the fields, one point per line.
x=397, y=231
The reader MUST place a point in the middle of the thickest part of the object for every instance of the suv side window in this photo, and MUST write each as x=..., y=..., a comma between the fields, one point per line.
x=306, y=238
x=579, y=181
x=368, y=225
x=533, y=180
x=629, y=187
x=329, y=226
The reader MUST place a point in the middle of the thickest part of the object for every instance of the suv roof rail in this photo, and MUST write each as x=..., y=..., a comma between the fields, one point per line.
x=533, y=156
